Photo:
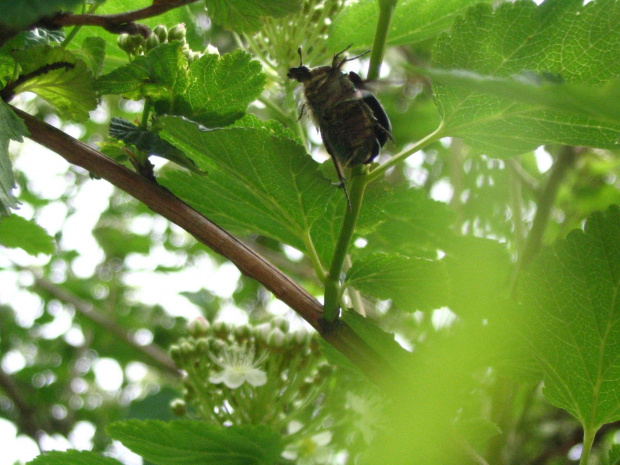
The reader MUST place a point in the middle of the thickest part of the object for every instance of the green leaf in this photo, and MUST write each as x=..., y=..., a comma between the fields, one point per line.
x=569, y=304
x=578, y=44
x=479, y=271
x=30, y=38
x=477, y=431
x=325, y=230
x=16, y=231
x=17, y=14
x=93, y=53
x=379, y=340
x=613, y=456
x=59, y=77
x=261, y=181
x=219, y=88
x=258, y=183
x=155, y=75
x=195, y=442
x=148, y=142
x=413, y=21
x=11, y=128
x=596, y=102
x=413, y=224
x=275, y=128
x=7, y=68
x=412, y=283
x=246, y=15
x=74, y=457
x=119, y=243
x=215, y=91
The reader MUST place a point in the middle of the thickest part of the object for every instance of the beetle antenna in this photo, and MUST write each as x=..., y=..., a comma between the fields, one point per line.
x=338, y=64
x=301, y=62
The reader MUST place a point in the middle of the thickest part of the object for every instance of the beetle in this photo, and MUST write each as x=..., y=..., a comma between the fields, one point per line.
x=352, y=122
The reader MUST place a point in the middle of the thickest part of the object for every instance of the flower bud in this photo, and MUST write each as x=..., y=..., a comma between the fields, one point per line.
x=198, y=327
x=175, y=353
x=221, y=329
x=177, y=32
x=179, y=407
x=186, y=348
x=161, y=32
x=302, y=336
x=242, y=332
x=123, y=43
x=262, y=332
x=151, y=42
x=203, y=346
x=276, y=338
x=135, y=41
x=281, y=323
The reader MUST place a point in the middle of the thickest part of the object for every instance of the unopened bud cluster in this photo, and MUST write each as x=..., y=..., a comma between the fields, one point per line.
x=307, y=29
x=257, y=374
x=135, y=45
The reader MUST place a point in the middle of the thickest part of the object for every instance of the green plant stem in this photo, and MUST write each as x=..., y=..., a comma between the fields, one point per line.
x=332, y=285
x=419, y=145
x=145, y=113
x=516, y=205
x=565, y=160
x=386, y=12
x=314, y=257
x=76, y=29
x=333, y=289
x=588, y=440
x=360, y=179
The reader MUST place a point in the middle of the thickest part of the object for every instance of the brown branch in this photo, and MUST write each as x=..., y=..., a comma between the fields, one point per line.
x=26, y=418
x=117, y=23
x=120, y=22
x=155, y=354
x=162, y=201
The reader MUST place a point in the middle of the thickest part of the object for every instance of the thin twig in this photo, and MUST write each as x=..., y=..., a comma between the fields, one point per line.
x=155, y=354
x=112, y=22
x=516, y=206
x=533, y=242
x=116, y=23
x=27, y=420
x=526, y=178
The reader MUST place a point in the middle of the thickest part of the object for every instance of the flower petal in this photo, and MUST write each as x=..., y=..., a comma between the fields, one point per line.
x=256, y=377
x=233, y=379
x=217, y=378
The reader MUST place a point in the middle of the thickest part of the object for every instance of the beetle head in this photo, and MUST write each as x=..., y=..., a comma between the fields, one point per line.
x=301, y=73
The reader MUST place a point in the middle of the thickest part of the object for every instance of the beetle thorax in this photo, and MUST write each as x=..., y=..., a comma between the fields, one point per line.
x=326, y=88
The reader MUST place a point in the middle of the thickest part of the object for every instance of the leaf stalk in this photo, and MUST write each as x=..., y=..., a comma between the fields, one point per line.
x=419, y=145
x=588, y=440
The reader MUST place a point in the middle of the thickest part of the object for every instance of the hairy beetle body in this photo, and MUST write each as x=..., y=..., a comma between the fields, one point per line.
x=351, y=120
